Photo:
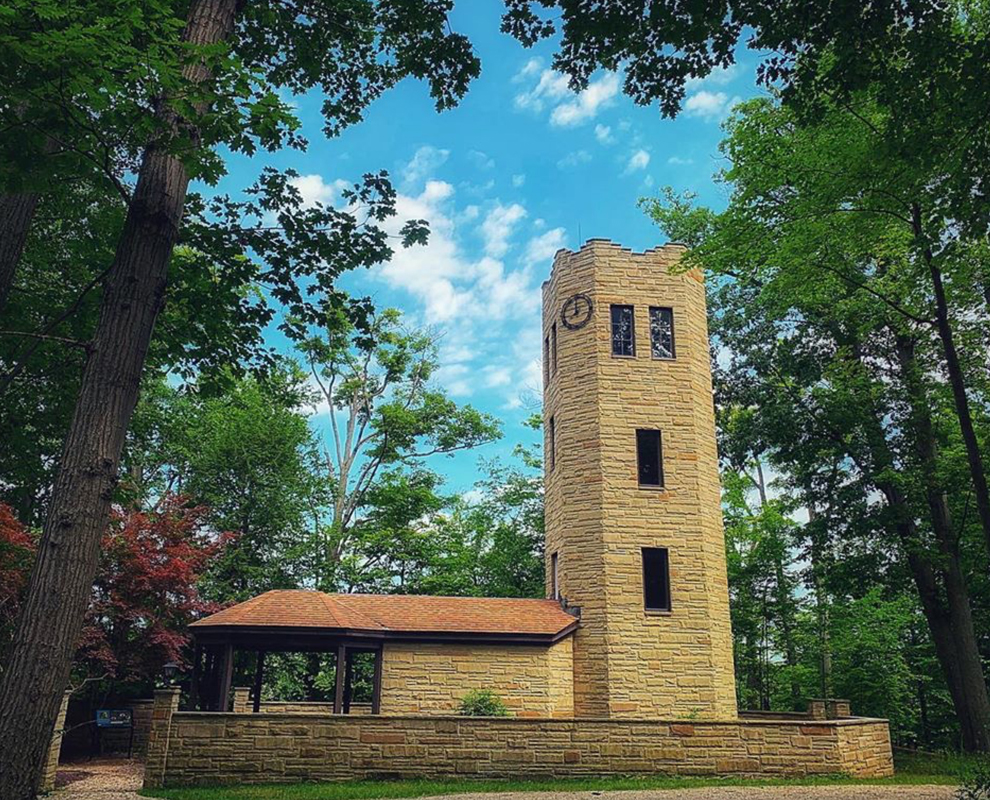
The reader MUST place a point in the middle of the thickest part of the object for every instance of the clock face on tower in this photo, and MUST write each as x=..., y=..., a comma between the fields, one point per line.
x=576, y=311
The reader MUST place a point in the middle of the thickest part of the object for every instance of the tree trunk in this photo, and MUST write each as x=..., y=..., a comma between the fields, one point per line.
x=821, y=606
x=62, y=579
x=957, y=380
x=16, y=213
x=956, y=612
x=950, y=621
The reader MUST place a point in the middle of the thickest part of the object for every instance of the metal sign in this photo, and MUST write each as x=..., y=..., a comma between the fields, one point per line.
x=114, y=718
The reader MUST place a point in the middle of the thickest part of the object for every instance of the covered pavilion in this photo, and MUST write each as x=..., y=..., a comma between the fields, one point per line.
x=349, y=624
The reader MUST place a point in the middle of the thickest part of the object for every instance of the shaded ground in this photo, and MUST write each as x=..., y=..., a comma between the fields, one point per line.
x=737, y=793
x=99, y=779
x=848, y=792
x=120, y=779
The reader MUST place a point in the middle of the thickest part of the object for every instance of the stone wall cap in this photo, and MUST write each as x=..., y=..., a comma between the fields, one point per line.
x=387, y=718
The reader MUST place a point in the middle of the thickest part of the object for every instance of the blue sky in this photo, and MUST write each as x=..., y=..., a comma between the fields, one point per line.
x=520, y=169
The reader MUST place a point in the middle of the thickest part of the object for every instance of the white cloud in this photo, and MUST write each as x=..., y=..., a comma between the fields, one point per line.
x=543, y=247
x=498, y=227
x=481, y=159
x=677, y=161
x=456, y=378
x=586, y=104
x=603, y=133
x=497, y=376
x=476, y=282
x=552, y=90
x=550, y=87
x=531, y=67
x=518, y=180
x=423, y=164
x=574, y=158
x=637, y=161
x=709, y=106
x=720, y=76
x=314, y=190
x=454, y=289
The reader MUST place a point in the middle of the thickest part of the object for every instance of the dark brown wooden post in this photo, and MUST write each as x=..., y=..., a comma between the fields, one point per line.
x=195, y=677
x=226, y=675
x=259, y=674
x=348, y=682
x=376, y=690
x=338, y=698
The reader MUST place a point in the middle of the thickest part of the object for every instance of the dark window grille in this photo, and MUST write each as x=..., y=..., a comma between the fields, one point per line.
x=551, y=444
x=656, y=579
x=553, y=349
x=554, y=585
x=623, y=331
x=546, y=360
x=649, y=458
x=662, y=332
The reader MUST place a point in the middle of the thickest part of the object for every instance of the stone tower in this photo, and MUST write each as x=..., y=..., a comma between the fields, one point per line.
x=633, y=515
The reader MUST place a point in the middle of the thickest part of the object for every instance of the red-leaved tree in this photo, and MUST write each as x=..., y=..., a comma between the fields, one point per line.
x=16, y=555
x=144, y=596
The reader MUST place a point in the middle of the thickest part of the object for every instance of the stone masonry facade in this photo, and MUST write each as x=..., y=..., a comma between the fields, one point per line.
x=532, y=680
x=632, y=691
x=629, y=662
x=211, y=748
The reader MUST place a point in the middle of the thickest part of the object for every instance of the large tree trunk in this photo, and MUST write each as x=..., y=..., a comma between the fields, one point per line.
x=957, y=380
x=951, y=627
x=941, y=585
x=955, y=613
x=16, y=213
x=62, y=580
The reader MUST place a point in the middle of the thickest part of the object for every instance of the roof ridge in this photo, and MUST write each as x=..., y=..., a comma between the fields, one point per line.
x=336, y=598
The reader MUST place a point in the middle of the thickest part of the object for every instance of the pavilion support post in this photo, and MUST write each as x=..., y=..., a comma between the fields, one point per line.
x=348, y=682
x=376, y=689
x=226, y=676
x=338, y=698
x=195, y=677
x=259, y=676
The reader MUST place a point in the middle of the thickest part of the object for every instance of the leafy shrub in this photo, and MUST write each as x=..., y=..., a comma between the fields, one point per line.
x=483, y=703
x=976, y=785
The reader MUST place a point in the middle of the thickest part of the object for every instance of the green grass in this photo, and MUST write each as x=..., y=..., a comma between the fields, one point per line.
x=912, y=769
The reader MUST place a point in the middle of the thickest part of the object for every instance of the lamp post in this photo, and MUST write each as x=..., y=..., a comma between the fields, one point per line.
x=171, y=669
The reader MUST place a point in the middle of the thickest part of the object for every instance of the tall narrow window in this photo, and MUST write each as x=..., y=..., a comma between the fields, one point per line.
x=623, y=333
x=546, y=361
x=662, y=332
x=656, y=579
x=551, y=444
x=649, y=458
x=554, y=584
x=553, y=349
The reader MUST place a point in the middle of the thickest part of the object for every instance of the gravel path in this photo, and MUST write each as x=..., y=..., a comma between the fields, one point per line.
x=99, y=779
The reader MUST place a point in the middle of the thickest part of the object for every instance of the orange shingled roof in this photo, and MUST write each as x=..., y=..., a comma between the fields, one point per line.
x=395, y=614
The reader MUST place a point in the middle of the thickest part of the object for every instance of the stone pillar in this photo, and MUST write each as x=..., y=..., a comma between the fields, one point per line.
x=51, y=762
x=166, y=703
x=242, y=699
x=829, y=709
x=838, y=709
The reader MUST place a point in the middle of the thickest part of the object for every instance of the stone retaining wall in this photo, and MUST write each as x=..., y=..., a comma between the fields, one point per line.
x=190, y=748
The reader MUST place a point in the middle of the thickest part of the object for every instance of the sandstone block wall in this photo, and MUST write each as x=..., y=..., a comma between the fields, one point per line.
x=533, y=681
x=209, y=748
x=629, y=662
x=47, y=782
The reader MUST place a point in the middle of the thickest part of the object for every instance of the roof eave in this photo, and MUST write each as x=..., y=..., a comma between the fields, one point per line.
x=218, y=633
